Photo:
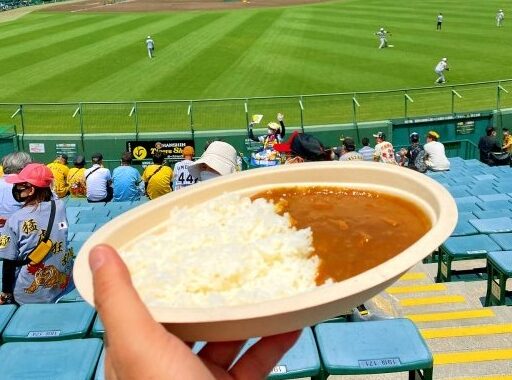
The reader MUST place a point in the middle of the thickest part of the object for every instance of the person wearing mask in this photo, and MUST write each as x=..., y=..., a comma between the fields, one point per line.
x=37, y=264
x=98, y=181
x=181, y=177
x=126, y=180
x=12, y=163
x=220, y=158
x=60, y=172
x=435, y=155
x=157, y=177
x=76, y=178
x=488, y=144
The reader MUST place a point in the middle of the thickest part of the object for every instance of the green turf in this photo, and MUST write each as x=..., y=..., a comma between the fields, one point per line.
x=321, y=48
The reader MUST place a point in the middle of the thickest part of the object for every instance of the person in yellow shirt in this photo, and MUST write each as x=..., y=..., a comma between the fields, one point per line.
x=507, y=141
x=157, y=177
x=76, y=179
x=60, y=174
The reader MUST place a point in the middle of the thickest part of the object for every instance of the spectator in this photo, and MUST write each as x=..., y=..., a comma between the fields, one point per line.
x=350, y=153
x=37, y=264
x=302, y=147
x=275, y=133
x=60, y=175
x=435, y=155
x=488, y=144
x=366, y=151
x=384, y=151
x=133, y=350
x=157, y=177
x=98, y=181
x=126, y=180
x=76, y=179
x=220, y=158
x=181, y=177
x=409, y=156
x=507, y=141
x=12, y=163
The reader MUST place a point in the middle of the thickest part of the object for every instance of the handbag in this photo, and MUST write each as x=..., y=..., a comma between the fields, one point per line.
x=499, y=158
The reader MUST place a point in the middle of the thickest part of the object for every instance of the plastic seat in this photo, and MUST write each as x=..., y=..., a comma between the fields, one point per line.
x=462, y=248
x=81, y=236
x=75, y=245
x=98, y=330
x=302, y=360
x=468, y=207
x=100, y=370
x=94, y=213
x=98, y=220
x=487, y=214
x=373, y=347
x=482, y=189
x=61, y=321
x=72, y=296
x=76, y=202
x=499, y=270
x=495, y=205
x=503, y=240
x=485, y=177
x=82, y=227
x=73, y=359
x=493, y=225
x=469, y=199
x=494, y=197
x=464, y=228
x=6, y=312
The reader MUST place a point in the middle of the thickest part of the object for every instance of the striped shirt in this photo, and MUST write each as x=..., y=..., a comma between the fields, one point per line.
x=367, y=153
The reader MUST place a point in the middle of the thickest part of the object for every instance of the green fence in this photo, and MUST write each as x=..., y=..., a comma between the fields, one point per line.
x=191, y=116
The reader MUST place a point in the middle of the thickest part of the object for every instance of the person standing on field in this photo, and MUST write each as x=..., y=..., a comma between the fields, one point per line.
x=500, y=16
x=439, y=21
x=382, y=35
x=150, y=44
x=439, y=70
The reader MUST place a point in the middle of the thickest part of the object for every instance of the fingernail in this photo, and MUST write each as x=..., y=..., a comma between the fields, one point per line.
x=96, y=258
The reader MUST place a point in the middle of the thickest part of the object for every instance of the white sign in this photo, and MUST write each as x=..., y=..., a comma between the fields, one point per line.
x=36, y=147
x=43, y=334
x=278, y=369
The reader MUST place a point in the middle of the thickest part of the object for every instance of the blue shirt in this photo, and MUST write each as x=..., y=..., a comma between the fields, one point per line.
x=367, y=153
x=126, y=180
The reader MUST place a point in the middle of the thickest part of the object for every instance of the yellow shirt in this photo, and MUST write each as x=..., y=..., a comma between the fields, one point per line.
x=1, y=171
x=76, y=181
x=508, y=141
x=60, y=178
x=160, y=182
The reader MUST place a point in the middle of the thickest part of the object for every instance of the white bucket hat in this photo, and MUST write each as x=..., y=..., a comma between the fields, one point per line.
x=219, y=156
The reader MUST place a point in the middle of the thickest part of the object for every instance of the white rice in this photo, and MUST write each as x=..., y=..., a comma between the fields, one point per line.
x=227, y=251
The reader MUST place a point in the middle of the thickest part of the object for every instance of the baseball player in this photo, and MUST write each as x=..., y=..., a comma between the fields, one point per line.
x=500, y=16
x=439, y=70
x=439, y=21
x=150, y=44
x=383, y=38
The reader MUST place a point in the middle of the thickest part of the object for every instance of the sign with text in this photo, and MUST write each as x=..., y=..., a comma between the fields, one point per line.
x=465, y=127
x=378, y=363
x=144, y=150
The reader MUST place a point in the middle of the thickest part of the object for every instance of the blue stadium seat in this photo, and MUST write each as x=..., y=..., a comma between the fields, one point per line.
x=81, y=236
x=503, y=240
x=72, y=296
x=76, y=202
x=373, y=347
x=468, y=207
x=495, y=205
x=72, y=359
x=82, y=227
x=499, y=270
x=98, y=330
x=463, y=200
x=493, y=225
x=464, y=228
x=93, y=213
x=302, y=360
x=99, y=220
x=76, y=245
x=494, y=197
x=6, y=312
x=34, y=322
x=100, y=370
x=486, y=214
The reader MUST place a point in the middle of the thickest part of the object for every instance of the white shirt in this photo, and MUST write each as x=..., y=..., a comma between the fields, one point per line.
x=150, y=43
x=436, y=156
x=385, y=152
x=97, y=182
x=500, y=16
x=440, y=18
x=181, y=177
x=441, y=66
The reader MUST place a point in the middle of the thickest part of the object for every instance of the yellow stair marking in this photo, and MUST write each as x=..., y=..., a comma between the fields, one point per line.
x=416, y=288
x=451, y=315
x=431, y=300
x=448, y=332
x=491, y=377
x=472, y=356
x=413, y=276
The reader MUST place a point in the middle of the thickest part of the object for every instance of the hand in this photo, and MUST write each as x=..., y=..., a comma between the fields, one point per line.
x=280, y=117
x=6, y=298
x=138, y=347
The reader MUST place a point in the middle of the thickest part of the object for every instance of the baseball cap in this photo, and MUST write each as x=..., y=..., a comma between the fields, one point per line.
x=96, y=157
x=414, y=136
x=220, y=156
x=64, y=156
x=433, y=134
x=380, y=135
x=349, y=143
x=38, y=175
x=445, y=59
x=188, y=151
x=304, y=145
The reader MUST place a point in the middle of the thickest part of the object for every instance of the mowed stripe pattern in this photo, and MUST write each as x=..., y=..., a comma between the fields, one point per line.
x=318, y=48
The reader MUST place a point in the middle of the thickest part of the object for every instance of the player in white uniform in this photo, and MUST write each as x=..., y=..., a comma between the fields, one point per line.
x=383, y=38
x=500, y=16
x=150, y=44
x=439, y=21
x=181, y=177
x=440, y=68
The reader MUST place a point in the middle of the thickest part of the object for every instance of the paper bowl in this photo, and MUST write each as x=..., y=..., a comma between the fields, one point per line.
x=304, y=309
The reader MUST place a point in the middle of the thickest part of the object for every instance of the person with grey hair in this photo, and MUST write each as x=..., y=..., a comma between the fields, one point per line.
x=12, y=163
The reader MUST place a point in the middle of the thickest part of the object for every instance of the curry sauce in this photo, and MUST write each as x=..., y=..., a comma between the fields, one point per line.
x=353, y=229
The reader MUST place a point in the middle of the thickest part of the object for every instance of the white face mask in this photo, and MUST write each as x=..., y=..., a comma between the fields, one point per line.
x=206, y=175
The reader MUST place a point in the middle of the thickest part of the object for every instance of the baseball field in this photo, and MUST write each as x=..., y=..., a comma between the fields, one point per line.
x=96, y=52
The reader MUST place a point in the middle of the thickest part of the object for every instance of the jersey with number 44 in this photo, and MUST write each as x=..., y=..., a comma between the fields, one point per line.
x=181, y=175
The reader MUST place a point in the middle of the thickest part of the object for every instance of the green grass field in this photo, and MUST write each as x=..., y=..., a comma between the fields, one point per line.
x=322, y=48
